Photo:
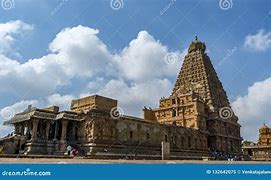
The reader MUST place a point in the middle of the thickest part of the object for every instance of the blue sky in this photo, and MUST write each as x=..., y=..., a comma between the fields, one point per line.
x=237, y=40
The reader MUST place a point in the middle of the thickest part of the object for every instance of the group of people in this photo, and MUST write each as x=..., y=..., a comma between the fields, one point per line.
x=224, y=156
x=71, y=151
x=9, y=135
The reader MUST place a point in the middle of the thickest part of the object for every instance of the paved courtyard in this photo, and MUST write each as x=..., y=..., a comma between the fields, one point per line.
x=116, y=161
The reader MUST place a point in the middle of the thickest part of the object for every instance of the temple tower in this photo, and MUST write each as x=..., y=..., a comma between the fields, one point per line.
x=199, y=101
x=264, y=136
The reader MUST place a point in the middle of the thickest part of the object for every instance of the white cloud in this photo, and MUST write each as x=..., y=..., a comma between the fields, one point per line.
x=63, y=101
x=8, y=31
x=260, y=41
x=78, y=52
x=253, y=109
x=86, y=54
x=144, y=59
x=74, y=52
x=132, y=97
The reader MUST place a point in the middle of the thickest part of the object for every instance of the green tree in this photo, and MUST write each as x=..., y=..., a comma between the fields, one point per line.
x=246, y=143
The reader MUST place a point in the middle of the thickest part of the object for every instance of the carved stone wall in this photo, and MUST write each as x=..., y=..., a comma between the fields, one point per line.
x=135, y=135
x=264, y=136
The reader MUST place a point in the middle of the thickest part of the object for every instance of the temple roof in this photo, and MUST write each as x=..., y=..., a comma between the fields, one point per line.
x=42, y=114
x=196, y=45
x=264, y=126
x=197, y=74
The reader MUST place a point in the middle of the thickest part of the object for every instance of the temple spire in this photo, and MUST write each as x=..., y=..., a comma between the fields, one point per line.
x=197, y=72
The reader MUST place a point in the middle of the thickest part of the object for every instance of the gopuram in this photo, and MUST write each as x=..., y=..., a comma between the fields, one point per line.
x=262, y=149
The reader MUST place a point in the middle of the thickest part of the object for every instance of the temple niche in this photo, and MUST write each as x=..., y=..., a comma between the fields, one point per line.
x=89, y=131
x=189, y=119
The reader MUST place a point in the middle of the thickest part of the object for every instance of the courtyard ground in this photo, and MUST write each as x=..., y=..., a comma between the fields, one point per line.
x=116, y=161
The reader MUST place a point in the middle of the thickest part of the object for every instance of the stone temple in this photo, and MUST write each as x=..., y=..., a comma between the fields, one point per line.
x=262, y=149
x=194, y=121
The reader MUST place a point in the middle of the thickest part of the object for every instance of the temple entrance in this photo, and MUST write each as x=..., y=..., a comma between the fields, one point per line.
x=52, y=131
x=41, y=132
x=250, y=152
x=72, y=131
x=58, y=130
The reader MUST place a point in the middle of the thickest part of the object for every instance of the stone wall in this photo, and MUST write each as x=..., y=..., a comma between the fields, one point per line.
x=128, y=135
x=92, y=102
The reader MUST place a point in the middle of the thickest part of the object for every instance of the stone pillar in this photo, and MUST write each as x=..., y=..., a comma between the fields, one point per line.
x=64, y=130
x=81, y=131
x=94, y=133
x=17, y=127
x=73, y=130
x=63, y=143
x=27, y=130
x=47, y=131
x=22, y=129
x=34, y=129
x=56, y=130
x=165, y=151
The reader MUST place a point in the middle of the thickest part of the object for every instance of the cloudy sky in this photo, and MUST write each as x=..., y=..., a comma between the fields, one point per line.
x=54, y=51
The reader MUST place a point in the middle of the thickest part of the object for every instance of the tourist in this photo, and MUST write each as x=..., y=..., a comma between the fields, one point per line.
x=74, y=152
x=69, y=148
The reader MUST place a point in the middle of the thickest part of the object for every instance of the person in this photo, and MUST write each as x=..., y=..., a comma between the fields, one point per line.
x=69, y=149
x=74, y=152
